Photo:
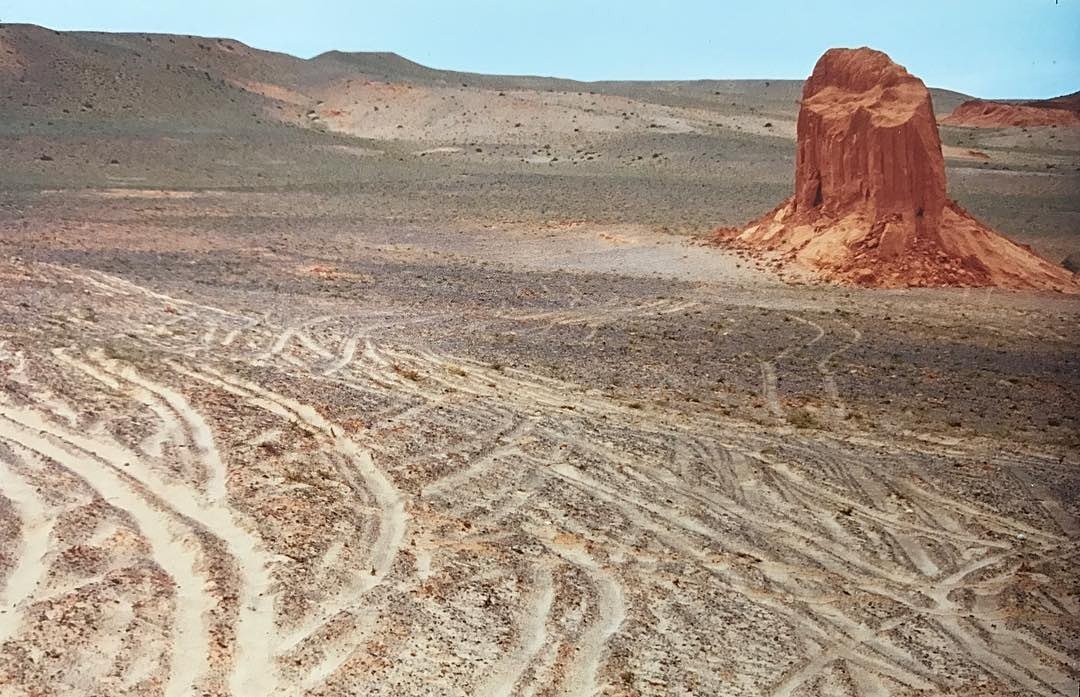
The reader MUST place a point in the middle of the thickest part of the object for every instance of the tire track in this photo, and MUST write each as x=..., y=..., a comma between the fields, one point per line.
x=35, y=528
x=473, y=468
x=770, y=382
x=1049, y=502
x=823, y=628
x=583, y=676
x=828, y=378
x=181, y=419
x=780, y=523
x=390, y=501
x=348, y=351
x=533, y=635
x=169, y=545
x=281, y=341
x=254, y=665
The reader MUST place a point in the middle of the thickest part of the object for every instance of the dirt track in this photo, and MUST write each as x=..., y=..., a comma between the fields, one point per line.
x=252, y=505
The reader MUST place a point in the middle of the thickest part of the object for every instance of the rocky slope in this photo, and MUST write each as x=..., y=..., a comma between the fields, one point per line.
x=983, y=113
x=104, y=77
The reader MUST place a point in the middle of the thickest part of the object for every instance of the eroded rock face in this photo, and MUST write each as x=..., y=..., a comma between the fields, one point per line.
x=868, y=140
x=870, y=205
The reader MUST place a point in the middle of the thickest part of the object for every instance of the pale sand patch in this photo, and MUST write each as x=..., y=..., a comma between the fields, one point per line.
x=450, y=114
x=437, y=151
x=144, y=193
x=354, y=150
x=958, y=153
x=629, y=250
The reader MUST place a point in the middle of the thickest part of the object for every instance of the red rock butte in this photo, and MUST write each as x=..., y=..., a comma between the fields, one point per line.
x=870, y=205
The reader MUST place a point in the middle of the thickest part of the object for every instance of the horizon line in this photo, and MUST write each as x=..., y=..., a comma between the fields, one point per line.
x=537, y=75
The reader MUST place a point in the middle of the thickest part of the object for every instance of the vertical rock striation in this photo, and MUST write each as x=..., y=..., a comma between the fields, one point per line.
x=868, y=140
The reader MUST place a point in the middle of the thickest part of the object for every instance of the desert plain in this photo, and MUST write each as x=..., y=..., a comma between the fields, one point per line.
x=347, y=376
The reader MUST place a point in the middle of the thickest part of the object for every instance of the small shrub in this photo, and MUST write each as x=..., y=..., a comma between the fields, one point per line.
x=407, y=373
x=802, y=418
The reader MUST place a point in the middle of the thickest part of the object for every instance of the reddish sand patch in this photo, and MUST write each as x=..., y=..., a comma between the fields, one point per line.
x=953, y=152
x=277, y=92
x=10, y=61
x=870, y=206
x=980, y=113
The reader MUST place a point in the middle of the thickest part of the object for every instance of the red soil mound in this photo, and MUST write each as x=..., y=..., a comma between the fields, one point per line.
x=870, y=205
x=1061, y=111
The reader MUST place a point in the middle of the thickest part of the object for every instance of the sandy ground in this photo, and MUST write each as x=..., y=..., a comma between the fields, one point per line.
x=559, y=460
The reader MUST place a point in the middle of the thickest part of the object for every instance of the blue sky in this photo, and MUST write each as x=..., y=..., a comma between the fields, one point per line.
x=989, y=48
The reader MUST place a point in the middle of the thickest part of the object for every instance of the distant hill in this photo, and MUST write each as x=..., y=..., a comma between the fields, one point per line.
x=130, y=77
x=120, y=78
